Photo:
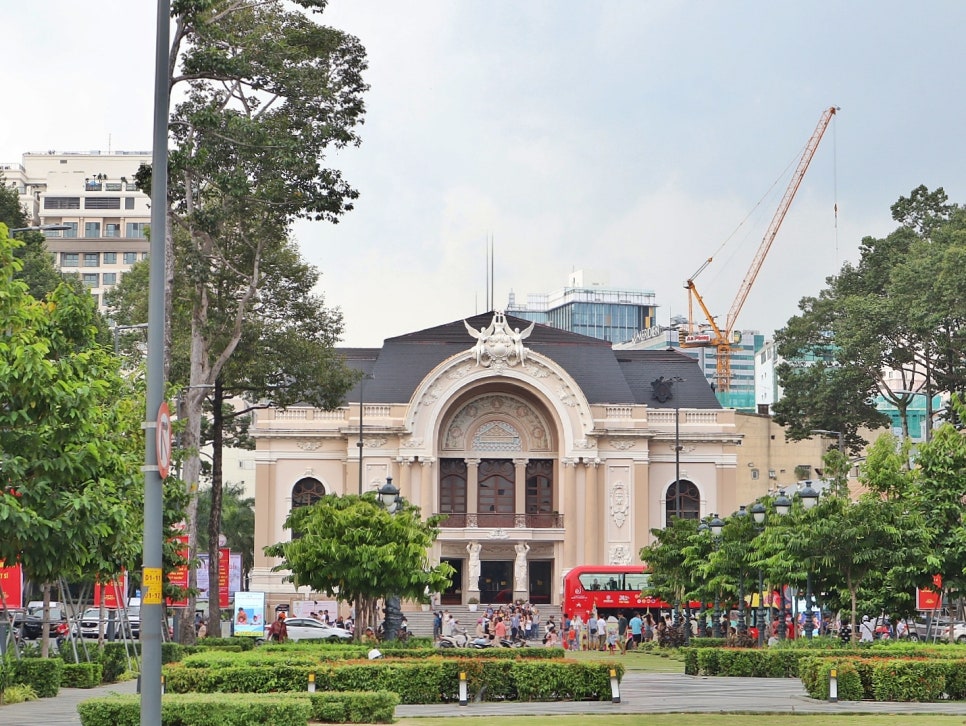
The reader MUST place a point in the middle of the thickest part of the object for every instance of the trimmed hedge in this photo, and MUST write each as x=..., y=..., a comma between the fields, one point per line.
x=426, y=681
x=889, y=679
x=196, y=709
x=82, y=675
x=44, y=675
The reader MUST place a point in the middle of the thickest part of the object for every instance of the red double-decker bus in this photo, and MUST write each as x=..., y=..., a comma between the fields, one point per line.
x=609, y=589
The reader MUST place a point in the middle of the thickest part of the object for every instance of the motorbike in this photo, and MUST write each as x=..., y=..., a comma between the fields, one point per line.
x=459, y=639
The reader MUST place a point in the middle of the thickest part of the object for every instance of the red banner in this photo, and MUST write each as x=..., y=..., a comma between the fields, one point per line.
x=179, y=575
x=224, y=568
x=112, y=592
x=11, y=582
x=929, y=599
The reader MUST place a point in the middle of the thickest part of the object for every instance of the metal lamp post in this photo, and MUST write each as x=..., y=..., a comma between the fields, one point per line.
x=41, y=228
x=742, y=617
x=809, y=499
x=389, y=496
x=783, y=505
x=714, y=527
x=758, y=514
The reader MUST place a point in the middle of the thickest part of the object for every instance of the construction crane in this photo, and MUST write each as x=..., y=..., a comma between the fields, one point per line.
x=724, y=337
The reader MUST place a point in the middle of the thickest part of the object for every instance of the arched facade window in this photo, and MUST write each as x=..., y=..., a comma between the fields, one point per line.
x=307, y=492
x=683, y=500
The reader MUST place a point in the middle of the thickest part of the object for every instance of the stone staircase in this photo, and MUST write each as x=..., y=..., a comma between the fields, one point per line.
x=421, y=622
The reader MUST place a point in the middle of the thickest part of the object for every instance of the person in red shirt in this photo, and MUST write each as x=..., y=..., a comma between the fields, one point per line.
x=278, y=631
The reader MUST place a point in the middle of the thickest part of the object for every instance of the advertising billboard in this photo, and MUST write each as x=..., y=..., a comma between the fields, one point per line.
x=249, y=614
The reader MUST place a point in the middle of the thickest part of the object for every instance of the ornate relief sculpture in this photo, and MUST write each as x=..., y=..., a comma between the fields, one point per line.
x=618, y=503
x=498, y=345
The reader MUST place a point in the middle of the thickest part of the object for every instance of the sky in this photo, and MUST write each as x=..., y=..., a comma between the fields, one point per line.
x=633, y=137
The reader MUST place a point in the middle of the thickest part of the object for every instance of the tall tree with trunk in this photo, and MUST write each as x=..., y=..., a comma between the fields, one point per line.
x=69, y=436
x=900, y=311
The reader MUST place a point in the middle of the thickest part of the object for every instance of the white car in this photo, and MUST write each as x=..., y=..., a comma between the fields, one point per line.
x=956, y=633
x=311, y=629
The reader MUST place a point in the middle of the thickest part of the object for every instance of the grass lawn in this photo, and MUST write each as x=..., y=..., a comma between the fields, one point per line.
x=635, y=660
x=695, y=719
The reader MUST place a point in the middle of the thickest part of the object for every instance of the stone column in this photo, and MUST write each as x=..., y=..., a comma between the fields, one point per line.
x=520, y=492
x=569, y=509
x=428, y=479
x=593, y=534
x=405, y=477
x=472, y=491
x=521, y=584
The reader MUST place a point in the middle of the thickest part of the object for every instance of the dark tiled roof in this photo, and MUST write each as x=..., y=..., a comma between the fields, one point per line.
x=604, y=375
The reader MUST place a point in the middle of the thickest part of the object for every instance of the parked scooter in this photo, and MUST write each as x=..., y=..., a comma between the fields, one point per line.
x=459, y=639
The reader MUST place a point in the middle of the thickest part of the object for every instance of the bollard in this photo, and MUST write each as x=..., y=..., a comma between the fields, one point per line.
x=463, y=699
x=615, y=689
x=311, y=683
x=162, y=685
x=833, y=686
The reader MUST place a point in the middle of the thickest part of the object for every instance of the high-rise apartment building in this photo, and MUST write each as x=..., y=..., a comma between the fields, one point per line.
x=95, y=195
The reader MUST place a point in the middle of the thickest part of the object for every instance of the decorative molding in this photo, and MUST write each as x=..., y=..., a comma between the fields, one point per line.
x=309, y=445
x=412, y=443
x=374, y=442
x=585, y=444
x=497, y=345
x=620, y=554
x=619, y=502
x=499, y=533
x=682, y=448
x=623, y=444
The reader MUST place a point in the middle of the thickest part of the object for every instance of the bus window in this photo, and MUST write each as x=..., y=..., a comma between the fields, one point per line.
x=592, y=581
x=636, y=581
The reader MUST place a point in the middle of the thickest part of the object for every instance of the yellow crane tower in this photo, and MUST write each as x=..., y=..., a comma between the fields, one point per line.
x=723, y=337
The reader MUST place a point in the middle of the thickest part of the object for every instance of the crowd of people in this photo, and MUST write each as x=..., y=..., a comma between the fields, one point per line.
x=514, y=622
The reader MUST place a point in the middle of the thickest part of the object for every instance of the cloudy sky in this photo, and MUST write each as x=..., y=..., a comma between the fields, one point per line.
x=633, y=137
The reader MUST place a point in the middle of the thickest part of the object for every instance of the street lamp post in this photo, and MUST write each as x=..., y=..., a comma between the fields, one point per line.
x=361, y=444
x=742, y=621
x=927, y=423
x=783, y=505
x=758, y=514
x=809, y=499
x=838, y=434
x=41, y=228
x=389, y=496
x=117, y=331
x=714, y=527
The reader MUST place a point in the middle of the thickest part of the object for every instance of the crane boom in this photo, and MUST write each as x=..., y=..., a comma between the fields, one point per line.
x=779, y=217
x=721, y=337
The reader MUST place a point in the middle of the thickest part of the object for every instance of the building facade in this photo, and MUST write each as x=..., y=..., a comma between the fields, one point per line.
x=589, y=307
x=96, y=196
x=542, y=448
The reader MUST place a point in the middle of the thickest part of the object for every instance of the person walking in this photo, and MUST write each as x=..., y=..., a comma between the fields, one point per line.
x=622, y=631
x=637, y=626
x=601, y=632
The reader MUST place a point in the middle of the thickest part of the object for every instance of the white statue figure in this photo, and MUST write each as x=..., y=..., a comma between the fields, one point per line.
x=520, y=567
x=498, y=344
x=474, y=549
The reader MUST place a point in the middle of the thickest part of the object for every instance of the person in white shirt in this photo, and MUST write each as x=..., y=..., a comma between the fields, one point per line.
x=601, y=633
x=866, y=630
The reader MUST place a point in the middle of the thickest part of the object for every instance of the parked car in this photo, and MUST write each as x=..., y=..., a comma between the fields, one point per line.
x=955, y=632
x=13, y=617
x=33, y=623
x=311, y=629
x=89, y=625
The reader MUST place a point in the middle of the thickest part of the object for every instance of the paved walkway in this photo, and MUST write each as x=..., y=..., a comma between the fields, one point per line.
x=640, y=693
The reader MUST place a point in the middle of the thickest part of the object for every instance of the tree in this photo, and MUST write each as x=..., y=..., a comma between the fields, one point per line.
x=352, y=548
x=238, y=523
x=69, y=436
x=899, y=310
x=267, y=93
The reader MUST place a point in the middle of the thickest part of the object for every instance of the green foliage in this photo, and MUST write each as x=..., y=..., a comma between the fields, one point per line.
x=43, y=675
x=357, y=707
x=200, y=710
x=82, y=675
x=71, y=443
x=816, y=677
x=18, y=693
x=352, y=546
x=903, y=680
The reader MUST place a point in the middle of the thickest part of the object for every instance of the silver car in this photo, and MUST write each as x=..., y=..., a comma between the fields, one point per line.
x=311, y=629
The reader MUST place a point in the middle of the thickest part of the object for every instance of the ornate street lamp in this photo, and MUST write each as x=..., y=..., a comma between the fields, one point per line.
x=716, y=525
x=783, y=506
x=809, y=497
x=390, y=499
x=758, y=514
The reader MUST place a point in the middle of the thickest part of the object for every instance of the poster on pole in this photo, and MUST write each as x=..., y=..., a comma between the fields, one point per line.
x=113, y=592
x=179, y=575
x=249, y=615
x=11, y=583
x=224, y=575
